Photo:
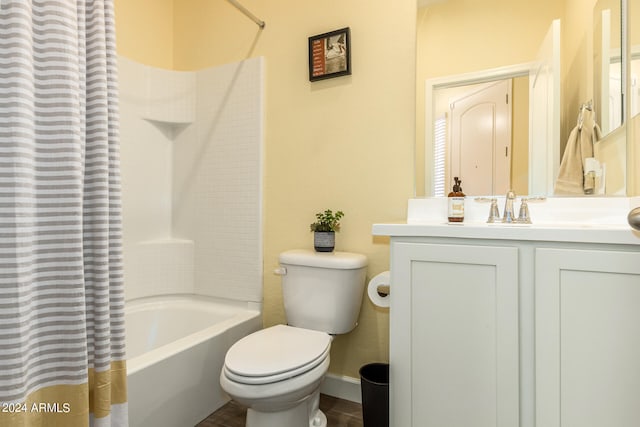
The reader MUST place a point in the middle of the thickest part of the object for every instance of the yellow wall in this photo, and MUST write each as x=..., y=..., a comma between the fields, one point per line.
x=144, y=31
x=344, y=143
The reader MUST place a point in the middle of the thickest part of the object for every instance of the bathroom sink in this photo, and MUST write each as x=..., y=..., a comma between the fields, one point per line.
x=563, y=211
x=578, y=219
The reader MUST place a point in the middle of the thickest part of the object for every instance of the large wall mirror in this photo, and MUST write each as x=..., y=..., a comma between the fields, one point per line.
x=633, y=125
x=634, y=42
x=608, y=70
x=502, y=86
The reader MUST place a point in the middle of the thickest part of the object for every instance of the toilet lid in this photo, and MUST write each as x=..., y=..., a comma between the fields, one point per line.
x=276, y=353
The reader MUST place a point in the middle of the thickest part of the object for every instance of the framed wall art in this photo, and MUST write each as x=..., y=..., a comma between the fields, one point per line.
x=330, y=55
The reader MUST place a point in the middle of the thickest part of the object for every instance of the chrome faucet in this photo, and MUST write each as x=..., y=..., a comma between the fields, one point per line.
x=508, y=215
x=523, y=217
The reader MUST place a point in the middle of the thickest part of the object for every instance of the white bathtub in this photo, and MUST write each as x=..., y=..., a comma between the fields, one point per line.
x=175, y=351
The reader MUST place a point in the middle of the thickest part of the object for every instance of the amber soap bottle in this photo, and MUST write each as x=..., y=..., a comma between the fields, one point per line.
x=456, y=202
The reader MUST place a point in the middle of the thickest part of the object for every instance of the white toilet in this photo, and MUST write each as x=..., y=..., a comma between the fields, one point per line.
x=276, y=372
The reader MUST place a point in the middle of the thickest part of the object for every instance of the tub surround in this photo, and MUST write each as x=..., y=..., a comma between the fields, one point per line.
x=160, y=267
x=508, y=321
x=191, y=145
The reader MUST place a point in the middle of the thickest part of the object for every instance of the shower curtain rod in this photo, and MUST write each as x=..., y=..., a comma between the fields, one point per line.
x=251, y=16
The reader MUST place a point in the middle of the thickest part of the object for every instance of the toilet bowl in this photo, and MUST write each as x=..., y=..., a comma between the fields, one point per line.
x=276, y=372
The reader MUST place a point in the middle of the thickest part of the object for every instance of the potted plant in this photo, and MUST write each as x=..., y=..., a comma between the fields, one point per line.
x=324, y=236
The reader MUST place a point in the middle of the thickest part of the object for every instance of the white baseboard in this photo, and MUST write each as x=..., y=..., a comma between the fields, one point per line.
x=342, y=387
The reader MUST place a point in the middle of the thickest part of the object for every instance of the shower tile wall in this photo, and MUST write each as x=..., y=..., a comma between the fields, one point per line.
x=218, y=185
x=191, y=172
x=146, y=158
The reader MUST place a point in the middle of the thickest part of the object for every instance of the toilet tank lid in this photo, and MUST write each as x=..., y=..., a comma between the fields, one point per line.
x=337, y=260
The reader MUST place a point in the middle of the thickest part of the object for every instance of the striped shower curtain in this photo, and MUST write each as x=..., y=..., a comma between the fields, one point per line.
x=62, y=360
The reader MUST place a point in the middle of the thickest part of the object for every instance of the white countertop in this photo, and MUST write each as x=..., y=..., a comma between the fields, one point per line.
x=583, y=220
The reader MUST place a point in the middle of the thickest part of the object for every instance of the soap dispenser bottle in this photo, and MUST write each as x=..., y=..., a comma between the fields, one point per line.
x=456, y=202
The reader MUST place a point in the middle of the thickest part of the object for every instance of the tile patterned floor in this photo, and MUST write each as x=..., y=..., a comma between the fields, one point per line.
x=340, y=413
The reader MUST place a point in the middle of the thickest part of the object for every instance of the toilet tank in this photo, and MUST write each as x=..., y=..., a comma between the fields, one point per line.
x=322, y=290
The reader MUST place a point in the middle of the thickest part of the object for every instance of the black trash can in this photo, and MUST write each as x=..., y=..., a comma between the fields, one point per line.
x=374, y=384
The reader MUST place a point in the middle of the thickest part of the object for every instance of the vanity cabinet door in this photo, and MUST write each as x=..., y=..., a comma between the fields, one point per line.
x=587, y=338
x=454, y=336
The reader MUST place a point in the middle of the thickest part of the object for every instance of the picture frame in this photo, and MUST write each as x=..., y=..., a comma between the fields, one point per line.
x=330, y=55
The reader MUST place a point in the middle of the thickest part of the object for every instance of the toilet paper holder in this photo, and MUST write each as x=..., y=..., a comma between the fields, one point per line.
x=383, y=290
x=379, y=288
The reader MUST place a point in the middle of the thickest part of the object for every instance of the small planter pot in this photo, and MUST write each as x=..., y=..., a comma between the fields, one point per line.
x=324, y=241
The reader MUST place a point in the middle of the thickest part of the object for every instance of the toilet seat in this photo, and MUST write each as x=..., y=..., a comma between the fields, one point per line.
x=275, y=354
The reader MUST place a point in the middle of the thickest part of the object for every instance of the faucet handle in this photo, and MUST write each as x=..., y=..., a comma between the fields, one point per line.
x=494, y=213
x=523, y=215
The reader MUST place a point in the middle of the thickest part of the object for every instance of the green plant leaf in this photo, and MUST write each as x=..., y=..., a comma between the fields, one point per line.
x=327, y=221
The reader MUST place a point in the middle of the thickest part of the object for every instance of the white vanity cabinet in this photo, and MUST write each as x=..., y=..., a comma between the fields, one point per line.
x=498, y=327
x=587, y=337
x=454, y=344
